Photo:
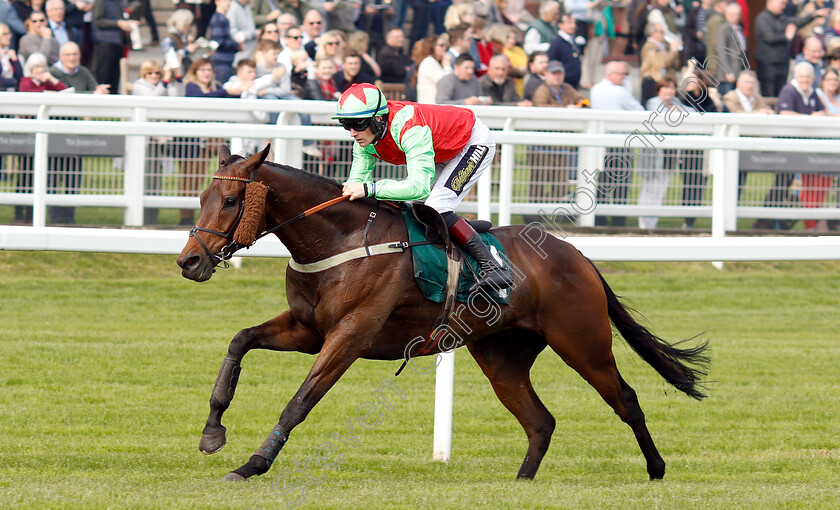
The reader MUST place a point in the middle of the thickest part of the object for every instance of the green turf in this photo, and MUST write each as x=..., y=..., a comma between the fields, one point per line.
x=108, y=363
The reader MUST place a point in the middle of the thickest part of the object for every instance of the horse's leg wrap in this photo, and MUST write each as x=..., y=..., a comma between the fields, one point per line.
x=213, y=436
x=226, y=382
x=261, y=460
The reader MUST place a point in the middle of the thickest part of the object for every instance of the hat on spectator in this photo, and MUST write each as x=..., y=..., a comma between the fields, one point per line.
x=554, y=66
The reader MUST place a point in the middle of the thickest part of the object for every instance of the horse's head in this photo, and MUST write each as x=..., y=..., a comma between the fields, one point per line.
x=232, y=212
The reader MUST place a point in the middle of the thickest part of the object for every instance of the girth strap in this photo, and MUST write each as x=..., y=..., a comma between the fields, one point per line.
x=358, y=253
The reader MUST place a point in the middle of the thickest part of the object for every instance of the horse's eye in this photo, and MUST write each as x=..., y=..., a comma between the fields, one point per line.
x=230, y=202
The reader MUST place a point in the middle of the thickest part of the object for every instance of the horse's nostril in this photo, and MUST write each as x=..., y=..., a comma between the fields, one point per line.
x=189, y=262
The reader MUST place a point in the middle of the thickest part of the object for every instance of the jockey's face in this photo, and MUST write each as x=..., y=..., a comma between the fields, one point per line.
x=364, y=137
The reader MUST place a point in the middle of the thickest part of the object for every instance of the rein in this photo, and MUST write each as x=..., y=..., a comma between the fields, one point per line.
x=232, y=246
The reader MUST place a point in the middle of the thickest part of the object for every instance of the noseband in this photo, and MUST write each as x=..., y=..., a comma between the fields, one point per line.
x=232, y=246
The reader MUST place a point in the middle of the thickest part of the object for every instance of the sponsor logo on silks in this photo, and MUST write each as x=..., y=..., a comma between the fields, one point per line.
x=466, y=168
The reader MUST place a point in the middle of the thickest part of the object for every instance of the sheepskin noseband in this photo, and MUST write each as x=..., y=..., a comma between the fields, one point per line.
x=253, y=215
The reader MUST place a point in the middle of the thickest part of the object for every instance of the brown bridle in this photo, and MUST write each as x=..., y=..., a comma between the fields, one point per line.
x=232, y=246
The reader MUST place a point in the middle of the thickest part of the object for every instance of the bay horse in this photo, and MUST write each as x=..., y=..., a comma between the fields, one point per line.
x=372, y=308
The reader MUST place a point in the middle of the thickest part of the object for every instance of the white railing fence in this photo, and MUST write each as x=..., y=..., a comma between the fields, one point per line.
x=584, y=137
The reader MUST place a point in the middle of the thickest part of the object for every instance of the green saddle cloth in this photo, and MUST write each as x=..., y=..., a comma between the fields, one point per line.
x=430, y=265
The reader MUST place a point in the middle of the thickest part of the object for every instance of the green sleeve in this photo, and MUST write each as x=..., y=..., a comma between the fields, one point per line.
x=363, y=163
x=416, y=143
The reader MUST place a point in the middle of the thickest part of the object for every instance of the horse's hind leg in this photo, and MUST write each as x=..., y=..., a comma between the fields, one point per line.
x=506, y=360
x=590, y=354
x=282, y=333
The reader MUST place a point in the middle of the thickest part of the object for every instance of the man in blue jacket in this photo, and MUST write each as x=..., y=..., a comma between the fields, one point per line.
x=564, y=49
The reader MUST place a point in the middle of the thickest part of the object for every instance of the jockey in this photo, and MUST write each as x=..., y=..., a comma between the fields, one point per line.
x=421, y=136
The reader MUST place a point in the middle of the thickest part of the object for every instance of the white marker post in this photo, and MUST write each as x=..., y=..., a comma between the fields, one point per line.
x=444, y=386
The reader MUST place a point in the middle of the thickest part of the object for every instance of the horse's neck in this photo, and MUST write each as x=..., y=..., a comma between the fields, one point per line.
x=321, y=234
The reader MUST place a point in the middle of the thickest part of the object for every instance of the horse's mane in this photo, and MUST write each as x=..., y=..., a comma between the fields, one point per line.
x=317, y=180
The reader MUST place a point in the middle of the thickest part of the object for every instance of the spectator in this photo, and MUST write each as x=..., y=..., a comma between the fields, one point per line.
x=658, y=58
x=350, y=72
x=109, y=34
x=179, y=43
x=429, y=58
x=242, y=28
x=832, y=33
x=375, y=20
x=284, y=22
x=700, y=95
x=313, y=27
x=812, y=52
x=323, y=88
x=149, y=15
x=9, y=17
x=461, y=86
x=498, y=86
x=550, y=165
x=661, y=167
x=610, y=94
x=11, y=71
x=293, y=43
x=773, y=33
x=829, y=94
x=268, y=31
x=543, y=29
x=603, y=30
x=460, y=42
x=829, y=91
x=731, y=45
x=745, y=98
x=264, y=12
x=695, y=31
x=554, y=91
x=37, y=77
x=25, y=8
x=192, y=153
x=151, y=83
x=38, y=39
x=61, y=31
x=504, y=41
x=342, y=14
x=225, y=53
x=489, y=11
x=579, y=10
x=69, y=71
x=297, y=8
x=420, y=20
x=81, y=80
x=481, y=47
x=662, y=13
x=358, y=41
x=459, y=14
x=244, y=84
x=299, y=65
x=800, y=98
x=564, y=49
x=537, y=65
x=714, y=21
x=392, y=58
x=331, y=46
x=834, y=58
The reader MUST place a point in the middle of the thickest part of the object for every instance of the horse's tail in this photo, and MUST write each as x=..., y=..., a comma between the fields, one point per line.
x=672, y=363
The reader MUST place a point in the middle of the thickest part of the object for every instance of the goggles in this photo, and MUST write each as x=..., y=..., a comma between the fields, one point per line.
x=355, y=124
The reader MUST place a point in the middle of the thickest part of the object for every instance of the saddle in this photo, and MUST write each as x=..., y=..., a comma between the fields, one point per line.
x=431, y=247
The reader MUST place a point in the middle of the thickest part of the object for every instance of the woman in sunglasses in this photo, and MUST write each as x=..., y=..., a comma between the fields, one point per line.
x=421, y=136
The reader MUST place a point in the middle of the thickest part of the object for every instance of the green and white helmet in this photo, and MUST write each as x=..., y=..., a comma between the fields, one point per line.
x=360, y=101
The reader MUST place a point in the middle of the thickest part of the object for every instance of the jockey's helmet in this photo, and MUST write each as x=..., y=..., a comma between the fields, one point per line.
x=358, y=106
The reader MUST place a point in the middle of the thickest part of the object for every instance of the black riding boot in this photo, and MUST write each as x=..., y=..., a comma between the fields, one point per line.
x=494, y=276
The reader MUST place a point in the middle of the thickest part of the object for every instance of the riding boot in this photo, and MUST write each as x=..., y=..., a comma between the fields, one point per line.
x=493, y=275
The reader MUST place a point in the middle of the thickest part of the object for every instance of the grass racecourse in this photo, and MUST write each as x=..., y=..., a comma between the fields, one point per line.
x=108, y=362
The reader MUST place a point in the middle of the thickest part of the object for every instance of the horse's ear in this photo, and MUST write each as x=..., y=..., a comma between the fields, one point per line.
x=224, y=154
x=256, y=160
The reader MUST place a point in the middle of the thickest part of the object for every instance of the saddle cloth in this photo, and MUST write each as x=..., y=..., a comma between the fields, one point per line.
x=430, y=265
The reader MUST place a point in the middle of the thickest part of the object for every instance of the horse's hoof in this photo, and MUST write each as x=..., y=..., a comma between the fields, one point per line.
x=212, y=443
x=234, y=477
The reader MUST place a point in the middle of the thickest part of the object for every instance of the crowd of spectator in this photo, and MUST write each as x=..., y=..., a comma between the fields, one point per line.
x=692, y=54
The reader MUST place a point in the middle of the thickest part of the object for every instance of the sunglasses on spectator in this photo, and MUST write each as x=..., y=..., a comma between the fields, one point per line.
x=37, y=20
x=354, y=124
x=154, y=72
x=314, y=22
x=294, y=37
x=270, y=31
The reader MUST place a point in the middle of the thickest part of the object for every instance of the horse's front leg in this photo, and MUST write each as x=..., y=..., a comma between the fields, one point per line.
x=283, y=333
x=341, y=348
